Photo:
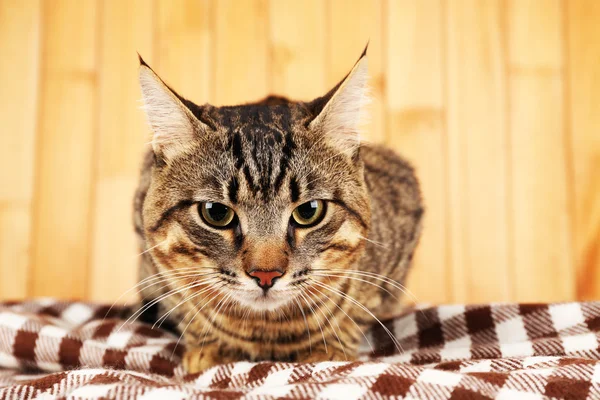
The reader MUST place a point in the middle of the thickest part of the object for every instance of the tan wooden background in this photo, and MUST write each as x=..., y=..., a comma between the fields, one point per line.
x=496, y=102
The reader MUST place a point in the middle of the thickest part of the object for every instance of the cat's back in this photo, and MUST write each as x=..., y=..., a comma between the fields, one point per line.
x=396, y=213
x=391, y=180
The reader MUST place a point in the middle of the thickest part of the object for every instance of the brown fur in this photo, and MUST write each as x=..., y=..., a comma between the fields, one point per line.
x=263, y=160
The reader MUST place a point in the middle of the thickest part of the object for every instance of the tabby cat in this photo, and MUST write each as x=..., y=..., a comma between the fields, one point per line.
x=268, y=231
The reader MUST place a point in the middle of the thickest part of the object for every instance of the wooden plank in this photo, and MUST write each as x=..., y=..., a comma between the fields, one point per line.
x=15, y=232
x=477, y=151
x=241, y=57
x=535, y=37
x=122, y=129
x=298, y=56
x=521, y=145
x=184, y=47
x=543, y=262
x=350, y=28
x=415, y=115
x=19, y=43
x=583, y=21
x=65, y=157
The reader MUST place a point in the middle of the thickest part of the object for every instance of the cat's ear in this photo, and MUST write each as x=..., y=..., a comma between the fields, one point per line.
x=173, y=125
x=339, y=112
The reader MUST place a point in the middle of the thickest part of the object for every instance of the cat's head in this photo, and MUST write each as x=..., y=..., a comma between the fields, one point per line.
x=256, y=201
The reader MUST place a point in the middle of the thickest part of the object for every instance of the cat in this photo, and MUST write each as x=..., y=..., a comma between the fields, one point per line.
x=268, y=230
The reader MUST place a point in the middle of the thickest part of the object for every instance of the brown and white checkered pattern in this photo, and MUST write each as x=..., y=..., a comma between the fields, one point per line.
x=52, y=349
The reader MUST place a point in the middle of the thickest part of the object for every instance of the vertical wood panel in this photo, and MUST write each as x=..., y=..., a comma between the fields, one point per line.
x=298, y=50
x=241, y=59
x=541, y=218
x=350, y=28
x=19, y=43
x=184, y=47
x=127, y=29
x=477, y=152
x=495, y=102
x=65, y=156
x=583, y=19
x=415, y=107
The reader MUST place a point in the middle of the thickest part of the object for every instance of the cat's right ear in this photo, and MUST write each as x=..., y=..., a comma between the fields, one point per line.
x=173, y=125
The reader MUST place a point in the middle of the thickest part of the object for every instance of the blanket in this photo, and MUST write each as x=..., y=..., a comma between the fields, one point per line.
x=51, y=349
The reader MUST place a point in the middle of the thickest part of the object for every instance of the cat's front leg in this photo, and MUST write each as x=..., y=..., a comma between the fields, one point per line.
x=340, y=347
x=198, y=359
x=320, y=353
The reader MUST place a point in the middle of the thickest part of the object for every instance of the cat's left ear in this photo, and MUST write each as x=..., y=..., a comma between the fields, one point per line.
x=339, y=112
x=174, y=126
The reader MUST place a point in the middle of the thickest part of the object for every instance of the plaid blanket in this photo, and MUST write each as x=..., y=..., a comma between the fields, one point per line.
x=52, y=349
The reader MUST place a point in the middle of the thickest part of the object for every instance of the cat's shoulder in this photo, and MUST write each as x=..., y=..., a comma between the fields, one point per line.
x=381, y=160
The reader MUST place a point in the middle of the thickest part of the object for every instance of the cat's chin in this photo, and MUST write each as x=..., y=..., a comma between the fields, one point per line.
x=260, y=301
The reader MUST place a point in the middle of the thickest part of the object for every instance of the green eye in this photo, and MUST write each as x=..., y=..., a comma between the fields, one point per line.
x=216, y=214
x=309, y=213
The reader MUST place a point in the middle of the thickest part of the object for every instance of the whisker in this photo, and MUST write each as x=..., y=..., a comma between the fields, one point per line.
x=376, y=243
x=302, y=295
x=164, y=317
x=305, y=323
x=282, y=314
x=146, y=307
x=199, y=293
x=194, y=317
x=330, y=324
x=151, y=248
x=216, y=311
x=148, y=278
x=349, y=317
x=359, y=279
x=361, y=306
x=170, y=280
x=377, y=276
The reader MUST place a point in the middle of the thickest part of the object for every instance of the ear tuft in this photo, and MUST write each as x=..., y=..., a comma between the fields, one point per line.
x=142, y=62
x=341, y=115
x=172, y=123
x=364, y=53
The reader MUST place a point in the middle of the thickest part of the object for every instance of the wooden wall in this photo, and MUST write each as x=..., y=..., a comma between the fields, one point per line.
x=496, y=102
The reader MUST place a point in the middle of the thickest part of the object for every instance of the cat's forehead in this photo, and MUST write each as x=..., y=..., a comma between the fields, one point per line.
x=266, y=155
x=258, y=119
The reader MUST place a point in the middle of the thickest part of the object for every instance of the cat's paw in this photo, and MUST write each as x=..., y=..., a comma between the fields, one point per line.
x=320, y=354
x=198, y=360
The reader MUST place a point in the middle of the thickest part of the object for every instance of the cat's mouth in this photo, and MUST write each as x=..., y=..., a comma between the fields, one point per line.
x=263, y=300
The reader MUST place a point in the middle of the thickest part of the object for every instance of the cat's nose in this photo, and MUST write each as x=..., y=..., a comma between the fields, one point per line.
x=265, y=279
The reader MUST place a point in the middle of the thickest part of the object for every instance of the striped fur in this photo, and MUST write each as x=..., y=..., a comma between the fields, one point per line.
x=263, y=160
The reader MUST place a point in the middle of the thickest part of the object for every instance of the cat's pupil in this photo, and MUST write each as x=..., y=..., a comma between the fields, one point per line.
x=308, y=210
x=217, y=211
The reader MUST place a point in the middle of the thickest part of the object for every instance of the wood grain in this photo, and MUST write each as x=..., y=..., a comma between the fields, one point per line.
x=495, y=102
x=415, y=122
x=583, y=105
x=65, y=156
x=184, y=47
x=19, y=80
x=122, y=133
x=350, y=29
x=242, y=52
x=477, y=152
x=298, y=51
x=541, y=213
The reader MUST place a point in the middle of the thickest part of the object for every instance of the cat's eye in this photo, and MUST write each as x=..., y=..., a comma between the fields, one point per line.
x=216, y=214
x=309, y=213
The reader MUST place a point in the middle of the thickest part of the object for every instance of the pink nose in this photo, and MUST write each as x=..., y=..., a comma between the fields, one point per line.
x=265, y=279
